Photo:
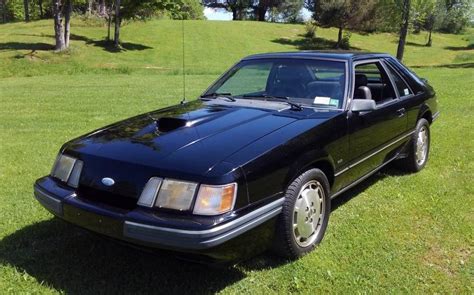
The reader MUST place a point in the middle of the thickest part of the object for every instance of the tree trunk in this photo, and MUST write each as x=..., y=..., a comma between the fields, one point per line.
x=89, y=7
x=403, y=29
x=67, y=21
x=430, y=41
x=117, y=24
x=27, y=10
x=58, y=26
x=102, y=8
x=4, y=11
x=234, y=13
x=261, y=12
x=109, y=24
x=339, y=37
x=40, y=6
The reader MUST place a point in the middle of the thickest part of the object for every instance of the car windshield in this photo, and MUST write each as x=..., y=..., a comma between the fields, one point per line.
x=303, y=81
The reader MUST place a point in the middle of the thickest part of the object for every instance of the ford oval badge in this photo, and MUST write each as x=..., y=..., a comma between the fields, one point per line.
x=107, y=181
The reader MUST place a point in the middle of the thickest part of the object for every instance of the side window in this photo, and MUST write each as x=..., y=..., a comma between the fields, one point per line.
x=373, y=76
x=249, y=79
x=402, y=87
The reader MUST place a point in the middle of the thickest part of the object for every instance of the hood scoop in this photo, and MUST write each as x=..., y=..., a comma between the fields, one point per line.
x=169, y=124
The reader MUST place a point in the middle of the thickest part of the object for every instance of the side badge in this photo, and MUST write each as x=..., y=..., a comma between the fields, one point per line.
x=107, y=181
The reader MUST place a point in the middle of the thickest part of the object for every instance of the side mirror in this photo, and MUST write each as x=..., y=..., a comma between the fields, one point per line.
x=363, y=105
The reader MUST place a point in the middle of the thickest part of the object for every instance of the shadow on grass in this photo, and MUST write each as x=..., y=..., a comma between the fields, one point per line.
x=304, y=43
x=466, y=65
x=269, y=260
x=413, y=44
x=108, y=45
x=25, y=46
x=460, y=48
x=76, y=262
x=104, y=44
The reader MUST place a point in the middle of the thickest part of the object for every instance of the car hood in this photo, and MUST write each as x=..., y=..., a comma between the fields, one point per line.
x=185, y=141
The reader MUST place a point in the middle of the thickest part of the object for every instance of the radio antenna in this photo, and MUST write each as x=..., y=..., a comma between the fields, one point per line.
x=184, y=64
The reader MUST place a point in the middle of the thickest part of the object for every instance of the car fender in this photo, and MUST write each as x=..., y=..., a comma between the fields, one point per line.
x=316, y=158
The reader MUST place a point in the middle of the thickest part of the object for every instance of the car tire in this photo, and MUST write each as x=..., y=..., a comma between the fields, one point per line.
x=305, y=215
x=418, y=148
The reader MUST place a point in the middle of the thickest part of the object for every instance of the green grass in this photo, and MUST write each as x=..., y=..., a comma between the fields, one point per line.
x=394, y=233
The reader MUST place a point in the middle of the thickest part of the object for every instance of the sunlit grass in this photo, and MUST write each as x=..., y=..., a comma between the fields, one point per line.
x=398, y=233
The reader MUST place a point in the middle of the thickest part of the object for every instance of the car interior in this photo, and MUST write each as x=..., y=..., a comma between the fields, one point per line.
x=300, y=81
x=373, y=76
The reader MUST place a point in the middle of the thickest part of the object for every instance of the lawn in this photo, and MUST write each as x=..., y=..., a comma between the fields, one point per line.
x=393, y=233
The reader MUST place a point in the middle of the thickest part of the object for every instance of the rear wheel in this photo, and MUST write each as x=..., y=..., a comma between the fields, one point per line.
x=305, y=215
x=418, y=148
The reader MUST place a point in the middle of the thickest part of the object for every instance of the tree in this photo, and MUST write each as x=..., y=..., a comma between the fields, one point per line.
x=405, y=6
x=40, y=8
x=67, y=21
x=289, y=12
x=455, y=16
x=341, y=14
x=26, y=5
x=427, y=15
x=187, y=9
x=62, y=11
x=132, y=9
x=237, y=7
x=261, y=7
x=58, y=26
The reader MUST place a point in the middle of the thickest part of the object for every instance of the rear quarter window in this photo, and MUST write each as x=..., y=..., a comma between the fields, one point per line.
x=410, y=77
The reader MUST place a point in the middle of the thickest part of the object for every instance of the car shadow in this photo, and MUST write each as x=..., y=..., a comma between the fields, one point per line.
x=269, y=260
x=74, y=261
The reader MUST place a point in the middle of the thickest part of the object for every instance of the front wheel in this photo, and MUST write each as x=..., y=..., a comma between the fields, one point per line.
x=305, y=215
x=418, y=148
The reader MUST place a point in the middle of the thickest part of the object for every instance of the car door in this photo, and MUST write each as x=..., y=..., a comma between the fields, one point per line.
x=373, y=135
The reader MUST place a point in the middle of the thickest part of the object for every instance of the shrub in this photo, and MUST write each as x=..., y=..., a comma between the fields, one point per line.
x=310, y=30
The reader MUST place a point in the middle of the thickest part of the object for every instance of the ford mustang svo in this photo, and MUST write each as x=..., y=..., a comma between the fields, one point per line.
x=253, y=163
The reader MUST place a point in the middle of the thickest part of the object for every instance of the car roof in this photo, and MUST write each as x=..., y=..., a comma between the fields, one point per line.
x=334, y=54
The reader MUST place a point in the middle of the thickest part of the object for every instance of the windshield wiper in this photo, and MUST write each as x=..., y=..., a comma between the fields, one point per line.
x=284, y=99
x=216, y=95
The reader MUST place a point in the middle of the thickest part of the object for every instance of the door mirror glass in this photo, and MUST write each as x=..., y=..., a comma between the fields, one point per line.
x=363, y=105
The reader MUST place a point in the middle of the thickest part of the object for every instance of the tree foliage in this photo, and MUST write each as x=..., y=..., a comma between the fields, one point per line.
x=288, y=11
x=342, y=14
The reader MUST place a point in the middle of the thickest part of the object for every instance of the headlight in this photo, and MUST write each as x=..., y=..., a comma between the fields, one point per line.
x=176, y=194
x=215, y=199
x=179, y=195
x=67, y=169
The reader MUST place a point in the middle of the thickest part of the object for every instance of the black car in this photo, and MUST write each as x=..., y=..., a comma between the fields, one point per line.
x=253, y=163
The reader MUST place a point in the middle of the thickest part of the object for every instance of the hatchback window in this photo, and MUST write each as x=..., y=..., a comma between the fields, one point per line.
x=376, y=79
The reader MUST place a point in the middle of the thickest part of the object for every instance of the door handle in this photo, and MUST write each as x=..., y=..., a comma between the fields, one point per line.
x=401, y=112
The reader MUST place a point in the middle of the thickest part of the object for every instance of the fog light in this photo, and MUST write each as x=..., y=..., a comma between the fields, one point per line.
x=63, y=167
x=148, y=196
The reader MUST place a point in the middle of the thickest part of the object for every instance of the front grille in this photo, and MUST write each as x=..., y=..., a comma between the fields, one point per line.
x=106, y=198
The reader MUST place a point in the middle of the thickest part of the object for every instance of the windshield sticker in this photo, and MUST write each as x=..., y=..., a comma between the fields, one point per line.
x=406, y=91
x=334, y=102
x=322, y=100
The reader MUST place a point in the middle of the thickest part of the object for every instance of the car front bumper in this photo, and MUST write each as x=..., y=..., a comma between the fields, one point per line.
x=143, y=228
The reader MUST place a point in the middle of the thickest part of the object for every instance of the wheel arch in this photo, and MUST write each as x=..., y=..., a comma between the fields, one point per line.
x=425, y=113
x=324, y=163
